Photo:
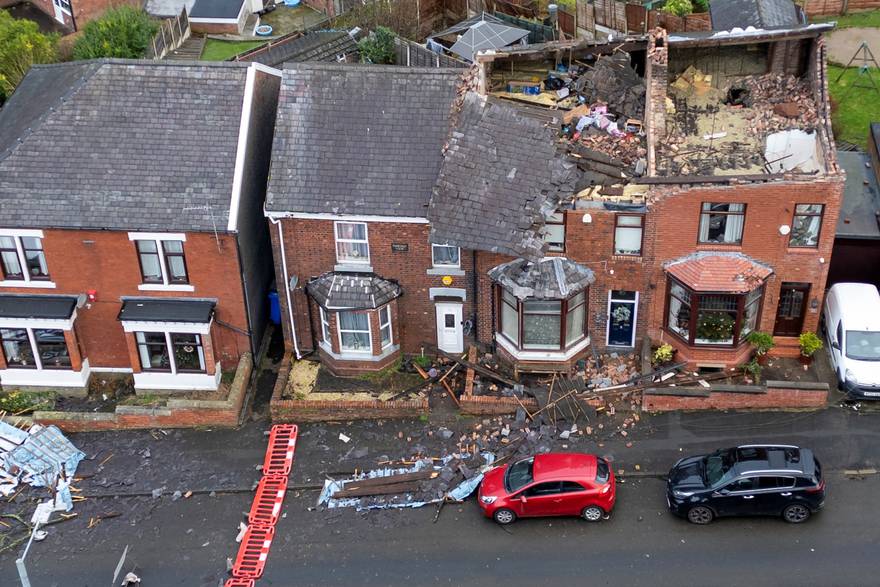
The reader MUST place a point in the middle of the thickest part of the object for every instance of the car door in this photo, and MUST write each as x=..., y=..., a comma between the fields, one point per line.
x=836, y=347
x=736, y=498
x=773, y=494
x=541, y=499
x=574, y=497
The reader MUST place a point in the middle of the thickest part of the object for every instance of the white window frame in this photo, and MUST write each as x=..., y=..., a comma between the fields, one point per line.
x=326, y=333
x=385, y=312
x=32, y=340
x=16, y=236
x=635, y=320
x=337, y=240
x=159, y=238
x=169, y=346
x=340, y=330
x=437, y=265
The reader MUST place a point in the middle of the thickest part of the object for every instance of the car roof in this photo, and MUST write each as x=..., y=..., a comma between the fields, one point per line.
x=773, y=458
x=561, y=466
x=855, y=303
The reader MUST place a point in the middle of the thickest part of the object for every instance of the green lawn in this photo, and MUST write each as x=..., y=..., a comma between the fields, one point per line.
x=855, y=107
x=868, y=18
x=222, y=50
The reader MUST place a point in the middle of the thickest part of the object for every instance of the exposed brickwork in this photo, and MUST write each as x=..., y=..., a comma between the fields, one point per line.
x=323, y=411
x=310, y=251
x=349, y=368
x=771, y=398
x=106, y=261
x=485, y=405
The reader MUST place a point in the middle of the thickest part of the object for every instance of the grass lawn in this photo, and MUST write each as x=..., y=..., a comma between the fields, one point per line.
x=222, y=50
x=855, y=107
x=868, y=18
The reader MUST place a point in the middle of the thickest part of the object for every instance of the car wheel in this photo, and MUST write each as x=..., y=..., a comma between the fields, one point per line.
x=592, y=513
x=796, y=513
x=504, y=516
x=700, y=515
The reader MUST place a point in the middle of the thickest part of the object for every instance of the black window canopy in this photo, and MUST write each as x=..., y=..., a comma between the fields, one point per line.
x=154, y=310
x=45, y=307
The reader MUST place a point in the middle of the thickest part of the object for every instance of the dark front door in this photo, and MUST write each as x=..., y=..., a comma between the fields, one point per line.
x=791, y=309
x=622, y=318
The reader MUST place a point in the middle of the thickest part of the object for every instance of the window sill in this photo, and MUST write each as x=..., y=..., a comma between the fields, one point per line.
x=46, y=377
x=353, y=268
x=163, y=287
x=28, y=284
x=541, y=355
x=180, y=381
x=355, y=356
x=803, y=250
x=718, y=246
x=620, y=257
x=455, y=271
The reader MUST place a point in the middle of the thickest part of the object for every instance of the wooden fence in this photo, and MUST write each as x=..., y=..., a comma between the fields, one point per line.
x=172, y=33
x=629, y=17
x=837, y=7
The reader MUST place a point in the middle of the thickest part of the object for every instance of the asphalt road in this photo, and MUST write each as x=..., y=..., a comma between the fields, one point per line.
x=187, y=541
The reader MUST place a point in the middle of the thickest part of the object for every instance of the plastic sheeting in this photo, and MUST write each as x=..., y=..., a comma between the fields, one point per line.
x=792, y=149
x=457, y=493
x=43, y=455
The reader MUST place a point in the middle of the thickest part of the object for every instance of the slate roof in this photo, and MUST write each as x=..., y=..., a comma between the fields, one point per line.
x=552, y=278
x=310, y=46
x=165, y=310
x=718, y=272
x=359, y=139
x=37, y=306
x=352, y=291
x=861, y=197
x=501, y=177
x=216, y=9
x=115, y=144
x=761, y=14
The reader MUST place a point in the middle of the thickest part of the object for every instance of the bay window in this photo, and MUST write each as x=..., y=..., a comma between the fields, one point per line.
x=325, y=326
x=352, y=245
x=385, y=326
x=354, y=331
x=722, y=223
x=712, y=318
x=534, y=324
x=35, y=348
x=171, y=352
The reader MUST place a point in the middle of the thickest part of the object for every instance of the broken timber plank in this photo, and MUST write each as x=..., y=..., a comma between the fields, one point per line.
x=392, y=489
x=478, y=368
x=390, y=479
x=470, y=374
x=451, y=393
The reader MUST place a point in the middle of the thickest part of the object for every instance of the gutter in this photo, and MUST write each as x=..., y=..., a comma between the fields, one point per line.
x=277, y=223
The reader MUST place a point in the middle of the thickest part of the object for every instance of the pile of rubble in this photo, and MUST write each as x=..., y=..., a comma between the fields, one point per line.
x=779, y=102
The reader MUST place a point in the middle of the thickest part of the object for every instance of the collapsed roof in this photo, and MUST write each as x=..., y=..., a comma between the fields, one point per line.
x=501, y=176
x=550, y=278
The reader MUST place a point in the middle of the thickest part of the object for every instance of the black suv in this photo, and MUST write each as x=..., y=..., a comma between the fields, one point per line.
x=749, y=480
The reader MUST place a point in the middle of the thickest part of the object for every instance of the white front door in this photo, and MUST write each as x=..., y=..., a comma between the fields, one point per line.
x=450, y=333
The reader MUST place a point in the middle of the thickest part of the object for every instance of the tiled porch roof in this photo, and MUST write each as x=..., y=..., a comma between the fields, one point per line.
x=718, y=272
x=549, y=278
x=352, y=291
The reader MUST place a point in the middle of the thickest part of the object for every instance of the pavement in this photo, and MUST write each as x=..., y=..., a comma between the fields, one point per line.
x=842, y=44
x=175, y=540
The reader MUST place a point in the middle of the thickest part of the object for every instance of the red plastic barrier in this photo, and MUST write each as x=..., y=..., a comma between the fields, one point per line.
x=267, y=502
x=279, y=453
x=239, y=582
x=253, y=552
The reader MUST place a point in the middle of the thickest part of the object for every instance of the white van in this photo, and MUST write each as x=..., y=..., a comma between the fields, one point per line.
x=852, y=329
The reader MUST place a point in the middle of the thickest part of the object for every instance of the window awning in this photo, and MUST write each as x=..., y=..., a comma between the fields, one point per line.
x=352, y=291
x=37, y=307
x=719, y=272
x=550, y=278
x=154, y=310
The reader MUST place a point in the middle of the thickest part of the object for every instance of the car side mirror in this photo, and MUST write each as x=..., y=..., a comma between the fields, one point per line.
x=522, y=498
x=835, y=345
x=723, y=491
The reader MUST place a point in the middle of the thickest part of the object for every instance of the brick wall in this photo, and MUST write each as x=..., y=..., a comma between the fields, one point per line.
x=106, y=261
x=310, y=251
x=775, y=395
x=484, y=405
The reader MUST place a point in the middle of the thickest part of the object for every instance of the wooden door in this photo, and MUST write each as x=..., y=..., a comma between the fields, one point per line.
x=791, y=309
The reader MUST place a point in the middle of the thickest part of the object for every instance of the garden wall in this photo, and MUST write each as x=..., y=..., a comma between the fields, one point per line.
x=772, y=395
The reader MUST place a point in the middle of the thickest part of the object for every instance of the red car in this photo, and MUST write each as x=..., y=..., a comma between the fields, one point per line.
x=553, y=484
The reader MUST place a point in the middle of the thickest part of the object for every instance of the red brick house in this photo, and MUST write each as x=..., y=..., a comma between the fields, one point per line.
x=72, y=15
x=142, y=248
x=541, y=242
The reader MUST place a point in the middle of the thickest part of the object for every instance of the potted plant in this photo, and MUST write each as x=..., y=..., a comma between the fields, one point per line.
x=663, y=354
x=762, y=343
x=809, y=343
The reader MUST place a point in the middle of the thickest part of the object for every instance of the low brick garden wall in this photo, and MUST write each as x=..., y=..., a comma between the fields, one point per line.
x=486, y=405
x=301, y=410
x=772, y=395
x=177, y=413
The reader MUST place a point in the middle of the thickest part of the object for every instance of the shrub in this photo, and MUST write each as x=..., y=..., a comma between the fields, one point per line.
x=21, y=45
x=378, y=47
x=753, y=369
x=663, y=353
x=810, y=343
x=762, y=341
x=422, y=361
x=700, y=5
x=678, y=7
x=123, y=32
x=21, y=402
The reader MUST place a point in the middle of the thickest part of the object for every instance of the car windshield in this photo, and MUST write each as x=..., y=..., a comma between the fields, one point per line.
x=716, y=465
x=863, y=346
x=519, y=474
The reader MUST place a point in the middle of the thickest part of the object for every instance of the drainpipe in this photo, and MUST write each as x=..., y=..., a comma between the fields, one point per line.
x=277, y=223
